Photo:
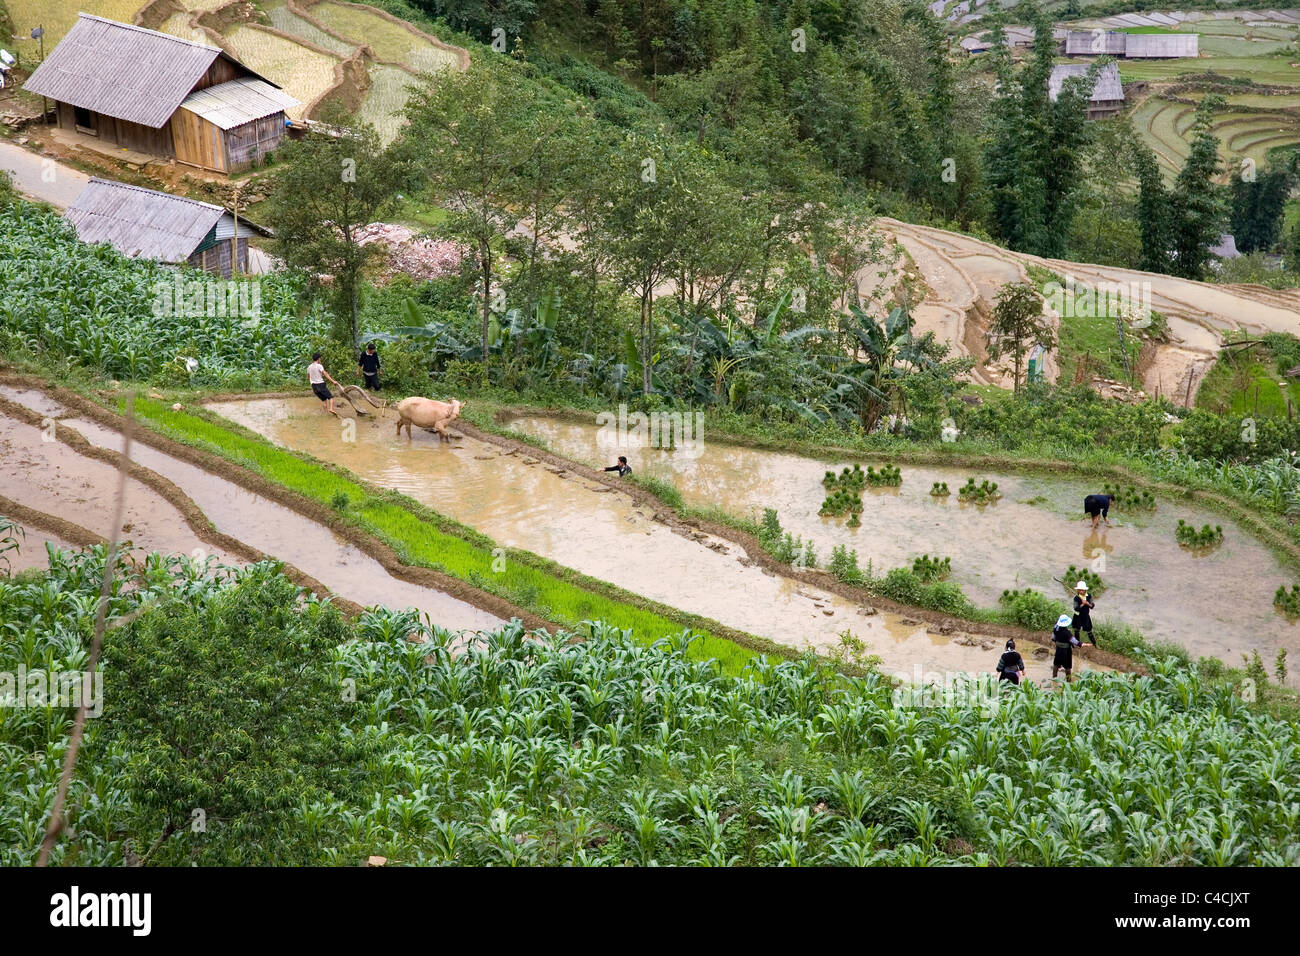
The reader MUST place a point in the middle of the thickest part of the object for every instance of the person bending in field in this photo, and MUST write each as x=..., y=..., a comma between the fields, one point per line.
x=317, y=375
x=1064, y=642
x=1097, y=507
x=622, y=467
x=1011, y=666
x=1083, y=605
x=368, y=366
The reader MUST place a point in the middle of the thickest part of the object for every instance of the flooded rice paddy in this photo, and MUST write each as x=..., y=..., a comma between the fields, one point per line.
x=54, y=478
x=1218, y=604
x=521, y=502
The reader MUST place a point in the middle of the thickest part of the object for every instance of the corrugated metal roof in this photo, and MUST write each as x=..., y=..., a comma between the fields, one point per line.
x=237, y=102
x=1162, y=45
x=122, y=70
x=1107, y=88
x=1094, y=43
x=141, y=222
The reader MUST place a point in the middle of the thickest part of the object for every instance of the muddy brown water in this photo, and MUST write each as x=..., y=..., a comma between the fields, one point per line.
x=1218, y=604
x=520, y=502
x=312, y=548
x=49, y=476
x=31, y=552
x=54, y=478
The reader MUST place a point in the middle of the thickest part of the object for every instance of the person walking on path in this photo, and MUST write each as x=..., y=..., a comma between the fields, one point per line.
x=1097, y=507
x=1011, y=666
x=1064, y=641
x=1083, y=605
x=368, y=366
x=317, y=375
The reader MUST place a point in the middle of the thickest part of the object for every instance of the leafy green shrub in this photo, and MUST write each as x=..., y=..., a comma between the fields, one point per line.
x=907, y=587
x=1031, y=609
x=844, y=565
x=340, y=501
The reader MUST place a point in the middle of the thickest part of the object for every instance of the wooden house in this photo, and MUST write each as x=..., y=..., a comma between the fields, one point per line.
x=159, y=94
x=1107, y=98
x=171, y=229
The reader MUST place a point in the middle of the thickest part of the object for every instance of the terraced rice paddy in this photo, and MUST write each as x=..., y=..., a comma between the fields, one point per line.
x=385, y=99
x=389, y=41
x=1167, y=128
x=282, y=18
x=178, y=25
x=304, y=73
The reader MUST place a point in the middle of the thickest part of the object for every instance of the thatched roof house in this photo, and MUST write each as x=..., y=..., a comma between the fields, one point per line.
x=1107, y=97
x=159, y=94
x=152, y=225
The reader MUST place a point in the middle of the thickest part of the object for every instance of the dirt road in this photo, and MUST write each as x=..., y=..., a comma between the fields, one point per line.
x=964, y=275
x=40, y=177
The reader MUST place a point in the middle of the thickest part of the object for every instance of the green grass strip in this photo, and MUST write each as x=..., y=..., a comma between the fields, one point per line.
x=424, y=538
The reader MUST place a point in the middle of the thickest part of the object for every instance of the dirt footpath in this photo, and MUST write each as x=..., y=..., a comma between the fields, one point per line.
x=964, y=275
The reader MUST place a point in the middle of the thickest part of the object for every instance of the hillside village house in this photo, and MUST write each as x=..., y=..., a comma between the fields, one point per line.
x=1107, y=94
x=152, y=225
x=159, y=94
x=1132, y=46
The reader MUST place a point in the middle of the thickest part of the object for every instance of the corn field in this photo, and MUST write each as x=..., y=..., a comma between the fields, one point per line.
x=524, y=749
x=105, y=321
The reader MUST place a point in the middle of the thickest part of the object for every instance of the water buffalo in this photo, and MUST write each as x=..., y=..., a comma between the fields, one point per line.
x=427, y=413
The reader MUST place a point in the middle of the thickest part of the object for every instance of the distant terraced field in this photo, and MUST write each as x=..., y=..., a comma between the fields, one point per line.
x=304, y=46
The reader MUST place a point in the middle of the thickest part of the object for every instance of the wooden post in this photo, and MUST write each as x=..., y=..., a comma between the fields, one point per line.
x=234, y=240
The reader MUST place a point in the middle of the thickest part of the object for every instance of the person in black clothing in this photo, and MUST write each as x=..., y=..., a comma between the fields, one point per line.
x=1064, y=642
x=1083, y=605
x=1011, y=666
x=1097, y=507
x=368, y=366
x=622, y=467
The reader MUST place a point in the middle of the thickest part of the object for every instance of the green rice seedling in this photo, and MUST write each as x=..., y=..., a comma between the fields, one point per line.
x=1130, y=498
x=939, y=489
x=1073, y=575
x=888, y=475
x=844, y=494
x=931, y=569
x=1288, y=600
x=983, y=493
x=1203, y=540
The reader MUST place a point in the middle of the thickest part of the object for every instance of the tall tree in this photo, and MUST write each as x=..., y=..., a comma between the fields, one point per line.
x=1152, y=208
x=1035, y=153
x=327, y=187
x=1257, y=204
x=1018, y=324
x=475, y=135
x=643, y=228
x=1196, y=203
